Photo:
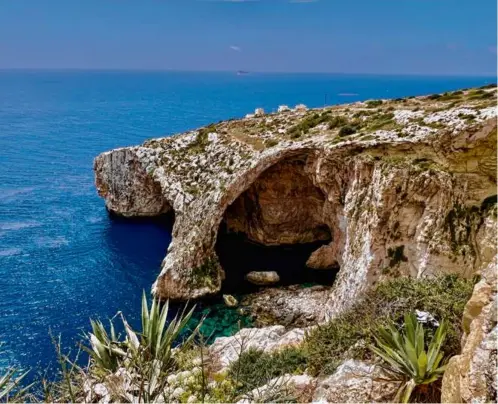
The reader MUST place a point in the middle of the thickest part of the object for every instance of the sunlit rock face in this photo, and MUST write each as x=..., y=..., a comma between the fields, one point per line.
x=471, y=376
x=410, y=193
x=282, y=206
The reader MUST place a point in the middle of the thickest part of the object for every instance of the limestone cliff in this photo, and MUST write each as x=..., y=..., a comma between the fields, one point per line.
x=393, y=188
x=471, y=377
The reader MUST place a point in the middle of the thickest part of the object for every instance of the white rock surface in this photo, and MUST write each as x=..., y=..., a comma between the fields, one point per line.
x=356, y=382
x=226, y=350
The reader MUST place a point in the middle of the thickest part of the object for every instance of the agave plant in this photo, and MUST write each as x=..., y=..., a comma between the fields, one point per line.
x=156, y=339
x=153, y=343
x=105, y=349
x=406, y=354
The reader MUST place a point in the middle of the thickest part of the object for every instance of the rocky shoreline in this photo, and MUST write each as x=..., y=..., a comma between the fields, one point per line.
x=401, y=195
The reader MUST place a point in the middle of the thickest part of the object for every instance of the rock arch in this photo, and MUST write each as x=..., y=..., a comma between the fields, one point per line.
x=277, y=223
x=387, y=206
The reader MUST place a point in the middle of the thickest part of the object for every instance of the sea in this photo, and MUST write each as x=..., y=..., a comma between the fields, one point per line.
x=63, y=259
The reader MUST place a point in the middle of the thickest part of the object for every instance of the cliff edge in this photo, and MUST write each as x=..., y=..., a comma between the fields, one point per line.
x=403, y=187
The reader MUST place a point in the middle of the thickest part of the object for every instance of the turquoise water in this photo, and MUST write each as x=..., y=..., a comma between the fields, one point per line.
x=62, y=259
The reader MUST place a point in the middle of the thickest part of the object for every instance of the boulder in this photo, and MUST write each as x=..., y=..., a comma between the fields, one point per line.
x=230, y=301
x=262, y=278
x=259, y=112
x=323, y=258
x=291, y=306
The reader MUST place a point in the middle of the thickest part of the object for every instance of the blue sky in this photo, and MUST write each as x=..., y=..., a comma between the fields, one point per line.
x=348, y=36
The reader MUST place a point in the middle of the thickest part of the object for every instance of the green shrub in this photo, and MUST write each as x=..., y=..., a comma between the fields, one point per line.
x=255, y=368
x=381, y=121
x=349, y=335
x=337, y=121
x=271, y=142
x=373, y=103
x=347, y=130
x=201, y=140
x=434, y=97
x=303, y=127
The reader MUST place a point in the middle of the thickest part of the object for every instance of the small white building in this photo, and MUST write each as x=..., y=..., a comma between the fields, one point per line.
x=283, y=108
x=259, y=112
x=300, y=107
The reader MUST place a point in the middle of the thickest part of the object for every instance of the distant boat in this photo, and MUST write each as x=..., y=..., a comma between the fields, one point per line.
x=241, y=72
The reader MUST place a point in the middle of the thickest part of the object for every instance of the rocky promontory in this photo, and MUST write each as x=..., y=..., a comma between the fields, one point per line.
x=390, y=188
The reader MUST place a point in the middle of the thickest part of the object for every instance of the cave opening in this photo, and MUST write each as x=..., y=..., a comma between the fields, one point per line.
x=275, y=225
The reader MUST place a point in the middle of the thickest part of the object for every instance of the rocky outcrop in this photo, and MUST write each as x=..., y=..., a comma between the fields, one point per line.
x=127, y=187
x=292, y=306
x=356, y=382
x=406, y=195
x=471, y=376
x=226, y=350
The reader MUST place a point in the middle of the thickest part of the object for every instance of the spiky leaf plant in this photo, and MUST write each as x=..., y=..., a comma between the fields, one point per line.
x=155, y=341
x=105, y=349
x=406, y=354
x=146, y=355
x=9, y=386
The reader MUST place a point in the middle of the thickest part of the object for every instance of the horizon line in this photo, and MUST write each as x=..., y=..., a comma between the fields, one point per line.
x=247, y=72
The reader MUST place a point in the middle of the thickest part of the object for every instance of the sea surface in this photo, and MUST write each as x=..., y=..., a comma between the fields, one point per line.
x=63, y=260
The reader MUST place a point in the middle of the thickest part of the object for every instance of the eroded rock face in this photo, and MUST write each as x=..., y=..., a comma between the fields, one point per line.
x=472, y=375
x=282, y=206
x=124, y=180
x=402, y=197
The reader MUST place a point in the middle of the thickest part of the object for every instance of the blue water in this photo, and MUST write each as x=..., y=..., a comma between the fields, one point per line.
x=62, y=259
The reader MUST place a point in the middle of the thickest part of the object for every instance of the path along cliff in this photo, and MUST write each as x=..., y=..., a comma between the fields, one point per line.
x=389, y=187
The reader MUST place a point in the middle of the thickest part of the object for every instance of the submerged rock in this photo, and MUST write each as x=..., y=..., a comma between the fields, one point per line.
x=262, y=278
x=408, y=194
